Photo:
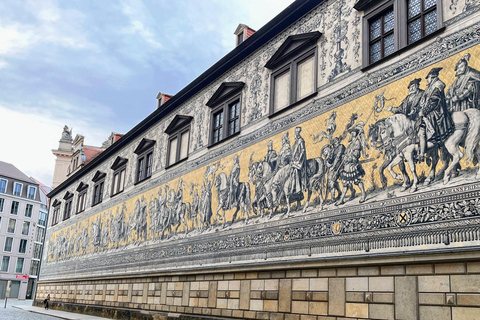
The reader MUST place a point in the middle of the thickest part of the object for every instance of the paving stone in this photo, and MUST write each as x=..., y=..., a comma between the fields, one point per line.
x=382, y=284
x=473, y=267
x=270, y=305
x=271, y=284
x=285, y=295
x=419, y=269
x=368, y=271
x=468, y=299
x=245, y=295
x=300, y=284
x=346, y=272
x=450, y=268
x=318, y=284
x=299, y=306
x=318, y=308
x=355, y=297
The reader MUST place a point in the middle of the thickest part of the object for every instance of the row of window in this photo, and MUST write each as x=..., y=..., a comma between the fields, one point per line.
x=15, y=208
x=12, y=224
x=5, y=266
x=8, y=246
x=294, y=79
x=17, y=189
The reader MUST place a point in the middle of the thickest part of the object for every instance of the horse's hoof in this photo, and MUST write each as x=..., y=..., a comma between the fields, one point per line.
x=427, y=182
x=404, y=188
x=413, y=189
x=477, y=176
x=446, y=180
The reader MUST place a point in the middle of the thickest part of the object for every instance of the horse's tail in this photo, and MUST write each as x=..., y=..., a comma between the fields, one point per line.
x=473, y=132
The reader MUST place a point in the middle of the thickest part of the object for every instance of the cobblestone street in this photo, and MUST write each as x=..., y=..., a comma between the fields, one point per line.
x=11, y=313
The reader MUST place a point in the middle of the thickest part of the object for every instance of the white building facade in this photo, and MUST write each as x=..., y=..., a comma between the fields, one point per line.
x=23, y=218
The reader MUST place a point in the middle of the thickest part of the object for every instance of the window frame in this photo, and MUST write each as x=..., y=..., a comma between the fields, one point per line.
x=6, y=185
x=28, y=205
x=11, y=245
x=295, y=50
x=98, y=188
x=179, y=125
x=119, y=166
x=228, y=94
x=56, y=212
x=14, y=187
x=20, y=246
x=81, y=197
x=371, y=9
x=23, y=227
x=14, y=227
x=144, y=151
x=420, y=16
x=2, y=204
x=34, y=192
x=16, y=265
x=40, y=214
x=17, y=207
x=8, y=264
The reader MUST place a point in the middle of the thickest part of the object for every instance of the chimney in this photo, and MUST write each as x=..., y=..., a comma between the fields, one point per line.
x=162, y=98
x=243, y=32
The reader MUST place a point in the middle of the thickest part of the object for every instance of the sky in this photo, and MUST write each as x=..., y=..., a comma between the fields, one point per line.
x=97, y=66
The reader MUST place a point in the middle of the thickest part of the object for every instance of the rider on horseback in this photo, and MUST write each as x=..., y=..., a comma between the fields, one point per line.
x=434, y=116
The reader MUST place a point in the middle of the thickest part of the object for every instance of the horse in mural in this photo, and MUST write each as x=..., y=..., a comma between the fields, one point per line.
x=243, y=197
x=177, y=212
x=398, y=127
x=272, y=187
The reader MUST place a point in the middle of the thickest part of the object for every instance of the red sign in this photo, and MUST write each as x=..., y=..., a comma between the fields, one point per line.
x=20, y=276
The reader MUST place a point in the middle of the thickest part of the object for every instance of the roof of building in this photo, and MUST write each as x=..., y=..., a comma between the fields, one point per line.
x=283, y=20
x=10, y=171
x=91, y=152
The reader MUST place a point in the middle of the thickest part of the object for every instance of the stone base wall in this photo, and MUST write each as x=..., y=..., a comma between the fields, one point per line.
x=445, y=289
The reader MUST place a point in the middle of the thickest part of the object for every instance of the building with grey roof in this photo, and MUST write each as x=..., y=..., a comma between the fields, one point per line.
x=23, y=217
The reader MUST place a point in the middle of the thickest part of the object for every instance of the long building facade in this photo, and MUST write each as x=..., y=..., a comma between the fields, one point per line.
x=326, y=168
x=23, y=219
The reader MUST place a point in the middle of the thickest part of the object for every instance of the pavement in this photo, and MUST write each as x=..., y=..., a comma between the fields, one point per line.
x=23, y=310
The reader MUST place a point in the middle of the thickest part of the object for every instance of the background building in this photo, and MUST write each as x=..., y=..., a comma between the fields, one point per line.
x=23, y=219
x=289, y=180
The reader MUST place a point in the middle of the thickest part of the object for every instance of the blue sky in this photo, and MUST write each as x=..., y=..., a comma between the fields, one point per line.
x=97, y=66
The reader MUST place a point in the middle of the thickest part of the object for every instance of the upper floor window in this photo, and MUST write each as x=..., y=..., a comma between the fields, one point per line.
x=14, y=207
x=42, y=219
x=422, y=19
x=56, y=212
x=17, y=189
x=144, y=153
x=118, y=181
x=381, y=36
x=82, y=196
x=99, y=182
x=5, y=264
x=34, y=264
x=8, y=244
x=226, y=108
x=67, y=211
x=11, y=225
x=37, y=251
x=390, y=25
x=22, y=248
x=294, y=71
x=3, y=185
x=31, y=192
x=179, y=139
x=25, y=228
x=2, y=204
x=19, y=265
x=28, y=210
x=40, y=234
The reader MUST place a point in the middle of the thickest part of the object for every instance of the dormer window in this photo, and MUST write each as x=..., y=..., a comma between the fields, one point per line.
x=118, y=181
x=294, y=71
x=226, y=108
x=99, y=182
x=144, y=151
x=178, y=140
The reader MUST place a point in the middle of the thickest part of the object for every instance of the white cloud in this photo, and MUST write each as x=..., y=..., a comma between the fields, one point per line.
x=138, y=18
x=15, y=38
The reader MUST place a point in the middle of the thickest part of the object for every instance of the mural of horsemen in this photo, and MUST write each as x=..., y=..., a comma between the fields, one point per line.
x=384, y=146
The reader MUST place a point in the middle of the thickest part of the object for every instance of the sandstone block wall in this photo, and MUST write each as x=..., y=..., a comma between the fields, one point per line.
x=440, y=291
